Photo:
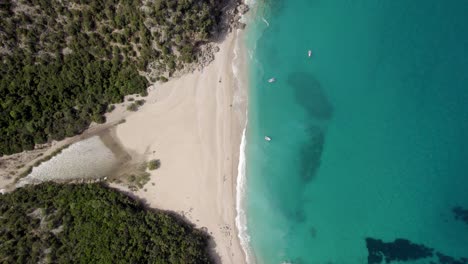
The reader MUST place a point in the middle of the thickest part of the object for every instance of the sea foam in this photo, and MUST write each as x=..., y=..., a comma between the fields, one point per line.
x=241, y=218
x=241, y=181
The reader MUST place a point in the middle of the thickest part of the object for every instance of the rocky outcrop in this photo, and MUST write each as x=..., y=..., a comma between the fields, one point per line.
x=242, y=9
x=231, y=20
x=239, y=25
x=234, y=15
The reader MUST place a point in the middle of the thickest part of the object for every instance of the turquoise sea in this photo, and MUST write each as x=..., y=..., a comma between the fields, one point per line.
x=368, y=158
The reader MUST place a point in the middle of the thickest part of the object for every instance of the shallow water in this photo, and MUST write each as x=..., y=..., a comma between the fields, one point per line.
x=369, y=135
x=86, y=159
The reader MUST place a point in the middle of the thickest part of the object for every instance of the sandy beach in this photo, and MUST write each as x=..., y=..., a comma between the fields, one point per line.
x=194, y=126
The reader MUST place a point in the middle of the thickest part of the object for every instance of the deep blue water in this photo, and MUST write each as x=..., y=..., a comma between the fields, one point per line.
x=369, y=135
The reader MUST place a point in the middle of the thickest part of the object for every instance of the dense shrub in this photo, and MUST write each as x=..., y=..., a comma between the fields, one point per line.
x=154, y=164
x=132, y=107
x=92, y=224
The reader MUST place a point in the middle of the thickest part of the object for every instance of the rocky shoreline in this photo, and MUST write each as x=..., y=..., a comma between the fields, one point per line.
x=230, y=20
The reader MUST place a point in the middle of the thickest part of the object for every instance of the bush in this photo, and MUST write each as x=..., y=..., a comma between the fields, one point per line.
x=132, y=178
x=98, y=118
x=132, y=107
x=140, y=102
x=110, y=108
x=154, y=164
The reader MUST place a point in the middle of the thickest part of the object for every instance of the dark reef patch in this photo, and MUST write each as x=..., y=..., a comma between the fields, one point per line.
x=299, y=216
x=460, y=214
x=405, y=250
x=311, y=155
x=398, y=250
x=310, y=95
x=443, y=259
x=313, y=232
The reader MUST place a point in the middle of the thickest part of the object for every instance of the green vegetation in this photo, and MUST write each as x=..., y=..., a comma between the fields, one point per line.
x=90, y=223
x=132, y=107
x=138, y=180
x=110, y=108
x=154, y=164
x=63, y=63
x=140, y=102
x=135, y=105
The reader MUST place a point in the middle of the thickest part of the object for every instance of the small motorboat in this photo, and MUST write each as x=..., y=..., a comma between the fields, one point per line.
x=271, y=80
x=267, y=138
x=309, y=53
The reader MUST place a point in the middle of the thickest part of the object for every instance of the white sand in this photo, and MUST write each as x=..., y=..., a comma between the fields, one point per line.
x=194, y=125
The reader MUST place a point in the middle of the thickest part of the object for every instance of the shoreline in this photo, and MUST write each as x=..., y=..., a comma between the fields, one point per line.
x=194, y=125
x=240, y=173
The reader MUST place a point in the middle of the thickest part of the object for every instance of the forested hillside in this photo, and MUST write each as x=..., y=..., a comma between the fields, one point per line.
x=53, y=223
x=62, y=62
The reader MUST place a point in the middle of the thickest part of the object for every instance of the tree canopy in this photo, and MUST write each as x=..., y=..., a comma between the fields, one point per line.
x=90, y=223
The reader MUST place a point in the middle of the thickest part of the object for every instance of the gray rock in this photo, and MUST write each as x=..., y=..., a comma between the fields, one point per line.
x=239, y=25
x=243, y=8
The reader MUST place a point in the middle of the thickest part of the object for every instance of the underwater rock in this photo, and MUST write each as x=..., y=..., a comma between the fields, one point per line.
x=460, y=214
x=404, y=250
x=398, y=250
x=443, y=259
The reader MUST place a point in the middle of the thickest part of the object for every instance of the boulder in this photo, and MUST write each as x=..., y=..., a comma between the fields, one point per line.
x=239, y=25
x=243, y=9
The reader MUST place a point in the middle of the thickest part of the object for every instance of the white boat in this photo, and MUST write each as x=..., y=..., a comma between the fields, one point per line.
x=309, y=53
x=267, y=138
x=271, y=80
